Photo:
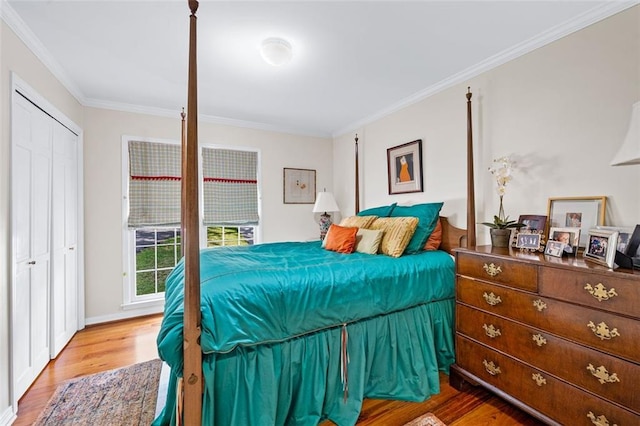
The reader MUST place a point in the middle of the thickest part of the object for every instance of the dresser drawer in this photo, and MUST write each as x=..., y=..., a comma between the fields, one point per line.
x=601, y=330
x=614, y=294
x=500, y=270
x=552, y=397
x=593, y=370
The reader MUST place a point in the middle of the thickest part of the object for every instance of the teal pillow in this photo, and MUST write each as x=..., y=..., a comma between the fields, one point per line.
x=382, y=211
x=427, y=215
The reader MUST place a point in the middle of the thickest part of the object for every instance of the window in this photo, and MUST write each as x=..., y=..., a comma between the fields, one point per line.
x=229, y=195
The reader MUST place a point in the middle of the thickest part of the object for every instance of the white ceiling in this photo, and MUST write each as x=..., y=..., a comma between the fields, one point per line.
x=353, y=61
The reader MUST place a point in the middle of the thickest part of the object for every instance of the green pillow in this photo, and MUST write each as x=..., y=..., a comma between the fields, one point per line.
x=427, y=215
x=382, y=211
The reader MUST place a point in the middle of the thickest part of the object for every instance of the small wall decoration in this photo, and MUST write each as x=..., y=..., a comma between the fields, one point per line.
x=299, y=186
x=570, y=237
x=533, y=222
x=577, y=212
x=404, y=168
x=601, y=246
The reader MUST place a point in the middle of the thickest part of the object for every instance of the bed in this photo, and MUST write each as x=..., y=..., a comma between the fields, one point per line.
x=294, y=333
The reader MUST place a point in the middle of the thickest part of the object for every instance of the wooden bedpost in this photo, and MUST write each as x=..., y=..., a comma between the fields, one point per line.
x=192, y=373
x=471, y=201
x=357, y=179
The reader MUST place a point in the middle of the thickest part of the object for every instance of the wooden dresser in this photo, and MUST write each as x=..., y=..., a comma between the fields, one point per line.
x=559, y=338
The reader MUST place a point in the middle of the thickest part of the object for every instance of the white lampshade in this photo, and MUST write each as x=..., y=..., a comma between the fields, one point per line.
x=276, y=51
x=629, y=153
x=325, y=203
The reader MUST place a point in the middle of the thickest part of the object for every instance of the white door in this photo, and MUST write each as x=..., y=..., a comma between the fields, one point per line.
x=31, y=180
x=64, y=238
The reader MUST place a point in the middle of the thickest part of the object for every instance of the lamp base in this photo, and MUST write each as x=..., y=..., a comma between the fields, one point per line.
x=325, y=223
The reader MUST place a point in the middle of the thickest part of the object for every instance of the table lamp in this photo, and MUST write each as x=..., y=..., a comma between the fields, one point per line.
x=325, y=203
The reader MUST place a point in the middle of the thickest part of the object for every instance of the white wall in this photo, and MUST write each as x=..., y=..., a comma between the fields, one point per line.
x=14, y=56
x=103, y=171
x=561, y=111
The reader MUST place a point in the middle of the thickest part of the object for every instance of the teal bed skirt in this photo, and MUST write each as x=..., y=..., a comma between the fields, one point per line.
x=299, y=381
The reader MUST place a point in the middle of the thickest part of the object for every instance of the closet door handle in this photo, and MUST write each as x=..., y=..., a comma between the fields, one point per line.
x=32, y=262
x=71, y=248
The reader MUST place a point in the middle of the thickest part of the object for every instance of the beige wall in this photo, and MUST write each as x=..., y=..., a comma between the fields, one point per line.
x=103, y=194
x=14, y=56
x=560, y=111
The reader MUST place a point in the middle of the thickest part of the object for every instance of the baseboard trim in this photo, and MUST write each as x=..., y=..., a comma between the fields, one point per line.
x=124, y=315
x=8, y=416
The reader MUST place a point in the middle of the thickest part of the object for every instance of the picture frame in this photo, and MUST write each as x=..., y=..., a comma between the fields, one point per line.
x=577, y=212
x=298, y=186
x=633, y=248
x=533, y=222
x=601, y=246
x=528, y=240
x=624, y=236
x=570, y=237
x=404, y=168
x=554, y=248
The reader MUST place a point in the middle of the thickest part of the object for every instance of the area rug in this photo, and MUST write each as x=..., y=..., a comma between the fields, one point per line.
x=124, y=397
x=426, y=420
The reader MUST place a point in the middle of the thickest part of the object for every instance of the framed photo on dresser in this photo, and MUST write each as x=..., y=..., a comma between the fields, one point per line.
x=577, y=212
x=601, y=246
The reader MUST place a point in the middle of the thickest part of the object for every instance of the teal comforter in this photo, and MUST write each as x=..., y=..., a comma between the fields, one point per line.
x=272, y=292
x=274, y=321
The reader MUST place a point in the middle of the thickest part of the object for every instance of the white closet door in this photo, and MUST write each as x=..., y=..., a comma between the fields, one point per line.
x=31, y=177
x=64, y=228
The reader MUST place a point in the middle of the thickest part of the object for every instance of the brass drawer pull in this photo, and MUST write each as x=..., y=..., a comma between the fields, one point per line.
x=491, y=368
x=539, y=305
x=491, y=298
x=539, y=339
x=600, y=292
x=600, y=420
x=491, y=331
x=602, y=374
x=491, y=269
x=602, y=331
x=537, y=377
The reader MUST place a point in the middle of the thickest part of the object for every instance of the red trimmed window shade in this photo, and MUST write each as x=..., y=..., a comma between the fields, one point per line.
x=230, y=195
x=154, y=184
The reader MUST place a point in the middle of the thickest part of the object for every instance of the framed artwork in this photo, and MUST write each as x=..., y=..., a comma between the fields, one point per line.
x=624, y=236
x=299, y=186
x=601, y=246
x=570, y=237
x=533, y=222
x=577, y=212
x=528, y=240
x=554, y=248
x=404, y=168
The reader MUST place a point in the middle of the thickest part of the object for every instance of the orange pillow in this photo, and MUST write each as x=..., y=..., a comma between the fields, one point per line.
x=435, y=239
x=341, y=239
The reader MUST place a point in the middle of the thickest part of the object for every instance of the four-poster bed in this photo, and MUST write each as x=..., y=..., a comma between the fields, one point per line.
x=293, y=333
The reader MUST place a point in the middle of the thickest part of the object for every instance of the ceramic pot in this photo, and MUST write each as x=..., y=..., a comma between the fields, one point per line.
x=500, y=237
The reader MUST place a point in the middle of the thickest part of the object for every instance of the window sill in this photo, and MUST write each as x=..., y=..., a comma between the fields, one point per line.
x=146, y=304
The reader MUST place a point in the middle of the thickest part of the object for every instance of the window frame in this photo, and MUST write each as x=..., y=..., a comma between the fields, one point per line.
x=130, y=299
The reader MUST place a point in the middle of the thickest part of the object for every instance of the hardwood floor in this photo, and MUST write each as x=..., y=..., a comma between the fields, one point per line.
x=108, y=346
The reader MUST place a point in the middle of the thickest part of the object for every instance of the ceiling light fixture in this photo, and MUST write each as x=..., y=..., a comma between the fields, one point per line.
x=276, y=51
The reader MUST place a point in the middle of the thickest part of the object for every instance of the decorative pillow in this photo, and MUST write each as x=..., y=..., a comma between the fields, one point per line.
x=435, y=239
x=397, y=233
x=427, y=214
x=382, y=211
x=358, y=221
x=368, y=241
x=341, y=239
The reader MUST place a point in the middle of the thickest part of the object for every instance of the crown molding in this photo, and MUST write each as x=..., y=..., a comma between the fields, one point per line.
x=580, y=22
x=33, y=43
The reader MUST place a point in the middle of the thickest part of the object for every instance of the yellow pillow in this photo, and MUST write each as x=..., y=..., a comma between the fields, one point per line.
x=368, y=240
x=341, y=239
x=397, y=233
x=358, y=221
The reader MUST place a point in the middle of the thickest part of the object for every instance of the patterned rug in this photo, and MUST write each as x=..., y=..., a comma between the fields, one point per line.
x=126, y=396
x=426, y=420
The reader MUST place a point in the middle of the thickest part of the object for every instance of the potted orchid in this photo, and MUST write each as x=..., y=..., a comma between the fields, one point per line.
x=501, y=226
